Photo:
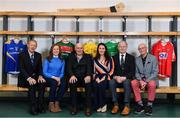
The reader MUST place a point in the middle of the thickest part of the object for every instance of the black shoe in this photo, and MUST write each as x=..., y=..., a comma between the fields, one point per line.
x=88, y=112
x=73, y=111
x=42, y=109
x=139, y=109
x=34, y=110
x=148, y=111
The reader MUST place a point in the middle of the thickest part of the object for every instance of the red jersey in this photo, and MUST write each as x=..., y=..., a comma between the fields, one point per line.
x=165, y=55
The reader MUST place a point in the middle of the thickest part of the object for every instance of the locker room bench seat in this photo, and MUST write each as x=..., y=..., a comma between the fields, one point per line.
x=14, y=88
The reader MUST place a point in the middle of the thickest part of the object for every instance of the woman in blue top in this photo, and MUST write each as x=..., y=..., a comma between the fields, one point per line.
x=53, y=70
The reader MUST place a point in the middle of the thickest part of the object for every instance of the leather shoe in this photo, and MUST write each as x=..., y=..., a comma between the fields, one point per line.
x=34, y=110
x=125, y=111
x=74, y=111
x=42, y=108
x=88, y=112
x=115, y=109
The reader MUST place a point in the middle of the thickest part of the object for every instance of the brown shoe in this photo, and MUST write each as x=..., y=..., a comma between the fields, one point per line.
x=51, y=107
x=125, y=111
x=57, y=107
x=88, y=112
x=115, y=109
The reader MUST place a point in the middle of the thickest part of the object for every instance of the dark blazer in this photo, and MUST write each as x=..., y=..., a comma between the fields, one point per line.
x=27, y=69
x=79, y=69
x=129, y=66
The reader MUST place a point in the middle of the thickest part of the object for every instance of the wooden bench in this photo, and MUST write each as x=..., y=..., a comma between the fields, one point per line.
x=14, y=88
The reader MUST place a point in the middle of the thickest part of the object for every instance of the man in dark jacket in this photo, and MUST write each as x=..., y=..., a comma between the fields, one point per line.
x=31, y=77
x=124, y=72
x=79, y=74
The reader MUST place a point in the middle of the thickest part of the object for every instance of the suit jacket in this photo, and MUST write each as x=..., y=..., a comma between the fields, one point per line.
x=27, y=69
x=149, y=70
x=129, y=66
x=79, y=69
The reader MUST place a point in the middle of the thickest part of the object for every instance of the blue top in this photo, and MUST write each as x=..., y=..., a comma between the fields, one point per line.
x=54, y=68
x=11, y=52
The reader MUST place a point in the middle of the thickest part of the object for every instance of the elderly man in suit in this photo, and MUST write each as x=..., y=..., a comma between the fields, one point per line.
x=80, y=75
x=31, y=77
x=124, y=72
x=146, y=78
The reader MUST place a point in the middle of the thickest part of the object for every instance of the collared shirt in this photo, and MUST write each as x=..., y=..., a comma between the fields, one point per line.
x=55, y=56
x=121, y=57
x=144, y=60
x=30, y=54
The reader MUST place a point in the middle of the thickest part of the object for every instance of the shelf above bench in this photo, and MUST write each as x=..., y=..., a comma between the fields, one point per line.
x=36, y=33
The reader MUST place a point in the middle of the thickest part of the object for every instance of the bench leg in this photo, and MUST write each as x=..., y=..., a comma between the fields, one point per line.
x=171, y=97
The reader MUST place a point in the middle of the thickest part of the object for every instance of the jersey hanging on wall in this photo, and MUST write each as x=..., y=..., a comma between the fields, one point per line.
x=164, y=51
x=90, y=48
x=11, y=51
x=66, y=47
x=112, y=47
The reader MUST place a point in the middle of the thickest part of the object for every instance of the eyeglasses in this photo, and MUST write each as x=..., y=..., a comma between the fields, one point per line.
x=141, y=48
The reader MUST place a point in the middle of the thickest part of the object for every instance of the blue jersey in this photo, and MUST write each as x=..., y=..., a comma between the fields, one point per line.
x=11, y=52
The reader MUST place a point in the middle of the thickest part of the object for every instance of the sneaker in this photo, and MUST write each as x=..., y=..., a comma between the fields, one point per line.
x=99, y=109
x=104, y=108
x=148, y=111
x=139, y=109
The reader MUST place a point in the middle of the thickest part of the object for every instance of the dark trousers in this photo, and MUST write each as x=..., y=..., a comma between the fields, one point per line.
x=34, y=100
x=100, y=93
x=73, y=92
x=127, y=90
x=56, y=92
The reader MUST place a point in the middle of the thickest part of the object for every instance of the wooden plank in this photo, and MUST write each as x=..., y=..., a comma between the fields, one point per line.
x=14, y=88
x=13, y=32
x=178, y=33
x=52, y=33
x=159, y=90
x=89, y=14
x=90, y=33
x=11, y=88
x=150, y=33
x=100, y=33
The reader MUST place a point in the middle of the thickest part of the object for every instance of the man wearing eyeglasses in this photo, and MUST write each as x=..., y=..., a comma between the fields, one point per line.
x=146, y=78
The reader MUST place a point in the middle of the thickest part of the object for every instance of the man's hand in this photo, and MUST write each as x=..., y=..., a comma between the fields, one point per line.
x=31, y=81
x=87, y=79
x=143, y=84
x=41, y=80
x=73, y=80
x=123, y=79
x=119, y=79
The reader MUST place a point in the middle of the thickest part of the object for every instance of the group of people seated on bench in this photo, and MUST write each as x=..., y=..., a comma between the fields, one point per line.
x=95, y=75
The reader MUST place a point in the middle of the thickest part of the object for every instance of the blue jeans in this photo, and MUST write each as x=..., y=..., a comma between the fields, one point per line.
x=56, y=92
x=127, y=90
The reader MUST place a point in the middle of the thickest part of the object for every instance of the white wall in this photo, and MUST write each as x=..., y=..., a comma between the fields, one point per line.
x=53, y=5
x=91, y=24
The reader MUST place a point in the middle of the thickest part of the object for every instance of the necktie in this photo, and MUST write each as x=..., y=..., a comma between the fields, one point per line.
x=122, y=59
x=32, y=59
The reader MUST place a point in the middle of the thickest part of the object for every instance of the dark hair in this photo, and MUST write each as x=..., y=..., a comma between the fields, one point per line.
x=50, y=56
x=106, y=54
